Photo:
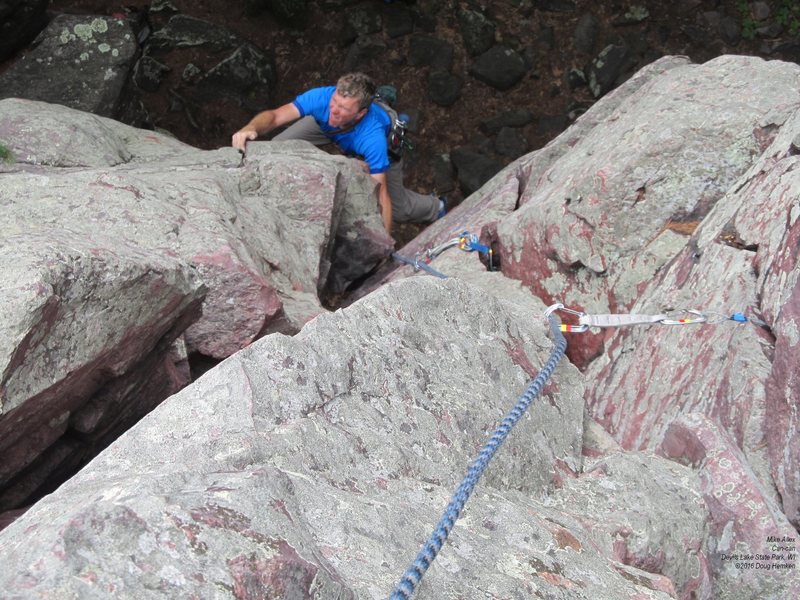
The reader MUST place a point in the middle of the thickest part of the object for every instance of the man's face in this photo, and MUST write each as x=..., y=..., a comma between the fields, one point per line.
x=344, y=111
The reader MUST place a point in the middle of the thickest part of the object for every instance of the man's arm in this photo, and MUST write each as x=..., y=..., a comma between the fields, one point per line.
x=384, y=200
x=264, y=122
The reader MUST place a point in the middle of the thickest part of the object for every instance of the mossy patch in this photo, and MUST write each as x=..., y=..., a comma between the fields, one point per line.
x=5, y=154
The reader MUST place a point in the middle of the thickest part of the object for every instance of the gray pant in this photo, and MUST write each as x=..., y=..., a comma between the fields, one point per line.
x=407, y=206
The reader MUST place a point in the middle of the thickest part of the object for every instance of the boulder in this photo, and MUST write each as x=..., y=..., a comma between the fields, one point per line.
x=511, y=142
x=444, y=88
x=429, y=51
x=316, y=464
x=80, y=61
x=500, y=67
x=86, y=321
x=158, y=227
x=511, y=118
x=473, y=168
x=599, y=222
x=477, y=31
x=606, y=68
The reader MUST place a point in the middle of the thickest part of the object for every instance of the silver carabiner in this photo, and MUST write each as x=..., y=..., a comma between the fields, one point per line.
x=564, y=327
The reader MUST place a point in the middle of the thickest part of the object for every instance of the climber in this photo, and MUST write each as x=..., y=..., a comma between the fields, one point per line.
x=346, y=115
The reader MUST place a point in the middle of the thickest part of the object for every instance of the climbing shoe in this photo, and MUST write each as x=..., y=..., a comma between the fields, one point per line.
x=442, y=207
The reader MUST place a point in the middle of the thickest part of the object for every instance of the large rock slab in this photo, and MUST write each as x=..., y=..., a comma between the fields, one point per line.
x=763, y=218
x=260, y=237
x=83, y=321
x=41, y=135
x=749, y=242
x=599, y=223
x=316, y=464
x=264, y=259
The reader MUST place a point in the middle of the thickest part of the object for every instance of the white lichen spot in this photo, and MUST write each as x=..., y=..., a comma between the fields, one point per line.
x=754, y=507
x=83, y=31
x=104, y=48
x=109, y=75
x=725, y=463
x=99, y=25
x=84, y=56
x=115, y=53
x=66, y=37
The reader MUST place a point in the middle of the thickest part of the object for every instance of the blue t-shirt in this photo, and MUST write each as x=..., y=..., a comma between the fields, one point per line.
x=367, y=139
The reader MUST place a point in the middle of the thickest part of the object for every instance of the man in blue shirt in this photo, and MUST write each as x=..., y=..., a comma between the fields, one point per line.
x=346, y=116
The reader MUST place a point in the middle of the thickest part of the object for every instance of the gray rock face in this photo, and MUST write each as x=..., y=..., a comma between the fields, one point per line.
x=80, y=316
x=317, y=464
x=719, y=235
x=327, y=458
x=131, y=205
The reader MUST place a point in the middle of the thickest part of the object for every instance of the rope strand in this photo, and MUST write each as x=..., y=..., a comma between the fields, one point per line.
x=413, y=575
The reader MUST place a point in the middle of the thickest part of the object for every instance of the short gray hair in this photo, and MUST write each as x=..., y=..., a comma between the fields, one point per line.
x=357, y=85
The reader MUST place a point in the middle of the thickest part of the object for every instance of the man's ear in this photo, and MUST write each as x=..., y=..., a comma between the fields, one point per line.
x=361, y=114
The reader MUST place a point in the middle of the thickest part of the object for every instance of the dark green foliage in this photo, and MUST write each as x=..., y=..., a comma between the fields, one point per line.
x=5, y=153
x=788, y=15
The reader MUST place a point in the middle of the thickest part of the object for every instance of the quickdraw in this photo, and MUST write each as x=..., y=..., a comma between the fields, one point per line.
x=466, y=241
x=682, y=316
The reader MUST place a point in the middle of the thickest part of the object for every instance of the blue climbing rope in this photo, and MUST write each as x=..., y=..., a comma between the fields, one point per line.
x=413, y=575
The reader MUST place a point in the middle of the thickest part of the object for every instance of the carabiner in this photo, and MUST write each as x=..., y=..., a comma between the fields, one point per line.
x=565, y=327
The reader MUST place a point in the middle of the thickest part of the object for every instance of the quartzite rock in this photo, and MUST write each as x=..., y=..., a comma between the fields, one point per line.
x=743, y=517
x=317, y=464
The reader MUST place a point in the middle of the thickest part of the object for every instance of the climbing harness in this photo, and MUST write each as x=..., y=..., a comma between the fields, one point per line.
x=682, y=316
x=468, y=242
x=413, y=575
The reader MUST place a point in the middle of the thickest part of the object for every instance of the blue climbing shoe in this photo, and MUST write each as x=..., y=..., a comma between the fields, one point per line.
x=442, y=207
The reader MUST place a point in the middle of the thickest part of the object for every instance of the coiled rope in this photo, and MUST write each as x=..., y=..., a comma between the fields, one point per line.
x=413, y=575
